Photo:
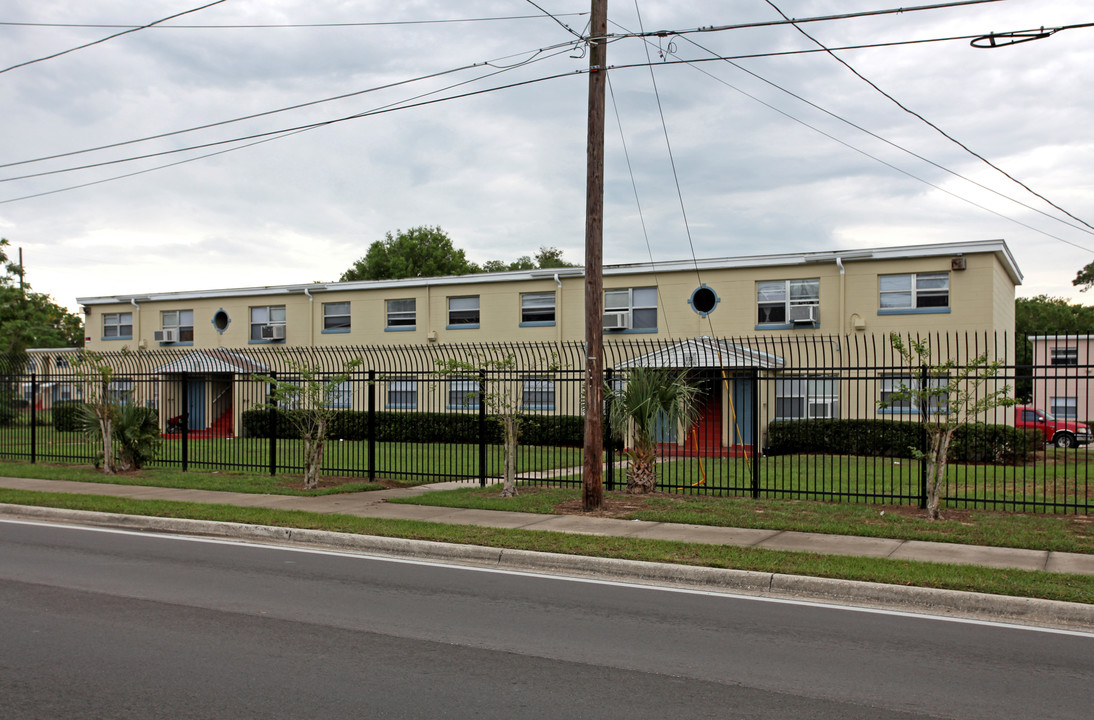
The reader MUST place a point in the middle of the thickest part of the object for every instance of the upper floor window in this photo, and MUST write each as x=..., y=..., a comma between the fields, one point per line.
x=118, y=326
x=336, y=317
x=178, y=325
x=780, y=302
x=537, y=308
x=1065, y=356
x=914, y=291
x=631, y=309
x=401, y=314
x=463, y=312
x=268, y=322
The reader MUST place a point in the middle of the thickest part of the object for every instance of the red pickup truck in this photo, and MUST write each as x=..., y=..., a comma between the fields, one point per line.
x=1061, y=433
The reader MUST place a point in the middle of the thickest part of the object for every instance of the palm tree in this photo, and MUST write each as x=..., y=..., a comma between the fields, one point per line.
x=649, y=398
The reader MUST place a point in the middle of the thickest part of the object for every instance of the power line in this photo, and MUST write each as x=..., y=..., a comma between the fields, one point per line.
x=930, y=124
x=565, y=27
x=795, y=21
x=895, y=145
x=159, y=136
x=111, y=37
x=868, y=155
x=285, y=132
x=276, y=26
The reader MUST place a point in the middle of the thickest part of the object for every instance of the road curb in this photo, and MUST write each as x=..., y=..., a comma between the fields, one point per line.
x=949, y=603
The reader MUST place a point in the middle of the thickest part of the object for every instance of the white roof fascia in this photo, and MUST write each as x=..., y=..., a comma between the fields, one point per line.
x=998, y=247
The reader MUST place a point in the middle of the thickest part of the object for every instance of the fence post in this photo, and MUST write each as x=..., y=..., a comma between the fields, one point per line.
x=754, y=379
x=185, y=421
x=371, y=425
x=33, y=417
x=482, y=428
x=924, y=413
x=272, y=401
x=609, y=438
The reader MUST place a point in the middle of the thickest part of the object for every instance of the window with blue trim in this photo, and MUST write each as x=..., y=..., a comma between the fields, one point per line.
x=118, y=326
x=638, y=304
x=537, y=308
x=538, y=393
x=336, y=317
x=402, y=392
x=777, y=300
x=463, y=393
x=463, y=311
x=913, y=291
x=402, y=314
x=897, y=383
x=181, y=321
x=340, y=396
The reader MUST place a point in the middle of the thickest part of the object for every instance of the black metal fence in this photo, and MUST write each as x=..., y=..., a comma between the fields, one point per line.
x=798, y=417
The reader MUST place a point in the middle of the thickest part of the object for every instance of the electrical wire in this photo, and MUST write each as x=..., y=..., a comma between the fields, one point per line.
x=298, y=106
x=111, y=37
x=286, y=132
x=400, y=105
x=927, y=122
x=565, y=27
x=278, y=26
x=892, y=144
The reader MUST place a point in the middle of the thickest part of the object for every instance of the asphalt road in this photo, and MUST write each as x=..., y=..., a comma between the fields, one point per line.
x=108, y=624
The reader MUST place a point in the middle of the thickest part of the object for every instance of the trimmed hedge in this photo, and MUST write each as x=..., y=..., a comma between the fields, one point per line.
x=66, y=416
x=976, y=443
x=567, y=430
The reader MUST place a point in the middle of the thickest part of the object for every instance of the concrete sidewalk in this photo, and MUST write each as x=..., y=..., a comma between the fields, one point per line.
x=372, y=504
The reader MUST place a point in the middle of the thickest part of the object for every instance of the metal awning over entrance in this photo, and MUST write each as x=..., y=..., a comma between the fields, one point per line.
x=704, y=352
x=218, y=362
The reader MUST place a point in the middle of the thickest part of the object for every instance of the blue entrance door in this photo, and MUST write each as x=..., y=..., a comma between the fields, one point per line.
x=195, y=404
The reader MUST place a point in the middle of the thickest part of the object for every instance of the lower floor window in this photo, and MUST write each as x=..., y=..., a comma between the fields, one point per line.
x=538, y=394
x=403, y=393
x=806, y=398
x=463, y=393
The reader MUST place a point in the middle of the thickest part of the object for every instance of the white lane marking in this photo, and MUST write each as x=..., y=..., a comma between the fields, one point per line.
x=272, y=545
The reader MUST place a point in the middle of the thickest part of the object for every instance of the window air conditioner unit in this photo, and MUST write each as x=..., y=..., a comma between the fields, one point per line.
x=273, y=332
x=801, y=314
x=617, y=320
x=165, y=336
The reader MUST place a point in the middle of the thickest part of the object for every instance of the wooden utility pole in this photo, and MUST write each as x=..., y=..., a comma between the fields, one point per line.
x=593, y=470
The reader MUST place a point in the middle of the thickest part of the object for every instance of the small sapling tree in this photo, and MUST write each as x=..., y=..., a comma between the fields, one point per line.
x=307, y=399
x=101, y=404
x=503, y=397
x=953, y=395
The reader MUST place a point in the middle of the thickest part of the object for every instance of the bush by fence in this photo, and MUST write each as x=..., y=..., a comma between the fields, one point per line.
x=884, y=438
x=66, y=416
x=426, y=427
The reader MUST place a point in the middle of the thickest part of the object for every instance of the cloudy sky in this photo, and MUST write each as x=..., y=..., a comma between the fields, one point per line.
x=764, y=153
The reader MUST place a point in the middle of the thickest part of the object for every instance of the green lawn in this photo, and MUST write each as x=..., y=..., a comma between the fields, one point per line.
x=1016, y=583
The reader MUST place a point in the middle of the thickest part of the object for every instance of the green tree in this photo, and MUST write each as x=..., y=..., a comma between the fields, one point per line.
x=954, y=395
x=308, y=400
x=551, y=257
x=647, y=400
x=1044, y=315
x=1084, y=279
x=420, y=251
x=29, y=319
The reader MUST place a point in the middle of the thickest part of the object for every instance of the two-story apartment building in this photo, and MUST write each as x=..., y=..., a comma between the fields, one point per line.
x=945, y=288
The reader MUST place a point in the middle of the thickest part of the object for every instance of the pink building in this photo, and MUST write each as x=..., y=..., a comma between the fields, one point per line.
x=1062, y=367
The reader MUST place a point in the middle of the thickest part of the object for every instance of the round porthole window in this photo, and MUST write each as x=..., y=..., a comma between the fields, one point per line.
x=703, y=300
x=221, y=321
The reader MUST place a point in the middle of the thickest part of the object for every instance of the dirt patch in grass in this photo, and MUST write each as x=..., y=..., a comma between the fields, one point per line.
x=296, y=482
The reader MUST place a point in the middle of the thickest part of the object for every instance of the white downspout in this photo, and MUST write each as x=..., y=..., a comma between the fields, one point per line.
x=842, y=295
x=137, y=324
x=311, y=319
x=558, y=311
